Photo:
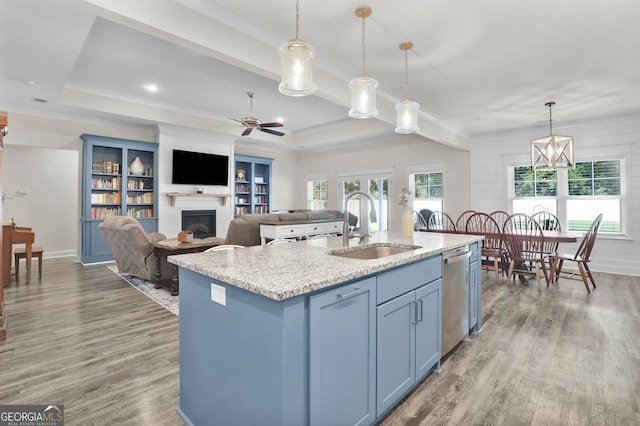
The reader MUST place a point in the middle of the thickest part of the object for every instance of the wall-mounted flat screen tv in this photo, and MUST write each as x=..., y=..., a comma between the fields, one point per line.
x=199, y=168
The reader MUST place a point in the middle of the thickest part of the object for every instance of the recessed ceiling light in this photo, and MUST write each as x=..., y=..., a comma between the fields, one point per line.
x=29, y=82
x=151, y=87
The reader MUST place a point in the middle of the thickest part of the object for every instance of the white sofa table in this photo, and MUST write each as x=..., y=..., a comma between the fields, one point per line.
x=296, y=229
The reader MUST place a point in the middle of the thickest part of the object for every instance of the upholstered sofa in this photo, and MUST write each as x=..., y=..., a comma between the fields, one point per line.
x=132, y=246
x=245, y=230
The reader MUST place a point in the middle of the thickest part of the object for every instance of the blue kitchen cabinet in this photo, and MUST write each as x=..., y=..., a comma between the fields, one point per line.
x=342, y=358
x=409, y=329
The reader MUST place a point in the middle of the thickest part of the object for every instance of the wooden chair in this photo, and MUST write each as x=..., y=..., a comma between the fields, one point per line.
x=548, y=222
x=500, y=216
x=419, y=222
x=21, y=253
x=492, y=251
x=523, y=239
x=440, y=222
x=580, y=258
x=425, y=213
x=461, y=222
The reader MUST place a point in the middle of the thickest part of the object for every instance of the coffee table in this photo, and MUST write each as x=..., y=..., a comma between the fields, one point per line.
x=167, y=273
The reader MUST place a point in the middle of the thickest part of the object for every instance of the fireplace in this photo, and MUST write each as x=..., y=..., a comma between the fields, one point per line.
x=201, y=222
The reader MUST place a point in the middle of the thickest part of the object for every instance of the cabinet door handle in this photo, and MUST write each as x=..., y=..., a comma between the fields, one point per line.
x=421, y=317
x=349, y=293
x=414, y=306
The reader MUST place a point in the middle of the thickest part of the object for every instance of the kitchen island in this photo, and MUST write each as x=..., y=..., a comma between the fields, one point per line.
x=291, y=334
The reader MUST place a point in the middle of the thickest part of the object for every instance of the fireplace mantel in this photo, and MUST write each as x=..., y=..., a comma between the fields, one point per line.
x=173, y=195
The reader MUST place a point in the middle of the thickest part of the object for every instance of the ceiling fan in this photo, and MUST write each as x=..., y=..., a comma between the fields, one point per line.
x=253, y=123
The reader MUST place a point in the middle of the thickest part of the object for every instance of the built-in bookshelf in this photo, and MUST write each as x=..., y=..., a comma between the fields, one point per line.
x=252, y=184
x=118, y=179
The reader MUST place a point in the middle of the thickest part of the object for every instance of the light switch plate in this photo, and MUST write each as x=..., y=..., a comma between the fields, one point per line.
x=219, y=294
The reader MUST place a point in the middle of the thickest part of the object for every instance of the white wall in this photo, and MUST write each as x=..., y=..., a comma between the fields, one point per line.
x=44, y=155
x=41, y=188
x=490, y=153
x=397, y=153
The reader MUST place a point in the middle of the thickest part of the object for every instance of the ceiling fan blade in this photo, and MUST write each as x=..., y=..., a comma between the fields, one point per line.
x=274, y=124
x=238, y=121
x=273, y=132
x=247, y=131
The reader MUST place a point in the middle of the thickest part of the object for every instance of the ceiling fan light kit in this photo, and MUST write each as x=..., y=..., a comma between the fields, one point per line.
x=253, y=123
x=363, y=89
x=296, y=67
x=553, y=151
x=407, y=110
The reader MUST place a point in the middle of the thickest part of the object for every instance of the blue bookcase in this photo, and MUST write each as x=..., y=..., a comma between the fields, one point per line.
x=111, y=186
x=252, y=193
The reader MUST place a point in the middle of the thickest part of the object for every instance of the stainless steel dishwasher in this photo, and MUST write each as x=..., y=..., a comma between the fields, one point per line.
x=455, y=297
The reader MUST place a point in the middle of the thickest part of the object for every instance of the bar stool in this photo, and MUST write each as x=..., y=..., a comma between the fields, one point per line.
x=21, y=253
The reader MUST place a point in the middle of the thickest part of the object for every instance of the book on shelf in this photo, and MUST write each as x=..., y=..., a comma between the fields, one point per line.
x=146, y=198
x=104, y=212
x=106, y=183
x=105, y=198
x=139, y=213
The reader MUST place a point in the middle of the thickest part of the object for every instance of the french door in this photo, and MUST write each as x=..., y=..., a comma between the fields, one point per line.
x=377, y=186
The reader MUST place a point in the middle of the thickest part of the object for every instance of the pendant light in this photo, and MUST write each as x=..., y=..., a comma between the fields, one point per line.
x=553, y=151
x=363, y=89
x=407, y=110
x=295, y=60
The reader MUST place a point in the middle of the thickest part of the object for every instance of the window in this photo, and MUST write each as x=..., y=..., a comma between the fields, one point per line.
x=576, y=196
x=317, y=194
x=595, y=186
x=429, y=190
x=534, y=190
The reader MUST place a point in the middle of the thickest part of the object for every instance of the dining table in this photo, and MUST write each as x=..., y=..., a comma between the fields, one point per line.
x=547, y=236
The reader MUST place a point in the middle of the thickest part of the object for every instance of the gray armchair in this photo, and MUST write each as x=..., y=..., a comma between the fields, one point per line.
x=132, y=246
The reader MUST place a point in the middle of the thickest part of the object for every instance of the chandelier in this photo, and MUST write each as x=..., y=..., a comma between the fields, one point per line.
x=363, y=89
x=295, y=61
x=407, y=110
x=552, y=151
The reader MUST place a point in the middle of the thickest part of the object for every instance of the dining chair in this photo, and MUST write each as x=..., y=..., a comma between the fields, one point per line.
x=419, y=222
x=461, y=222
x=425, y=213
x=500, y=216
x=523, y=239
x=549, y=222
x=492, y=247
x=440, y=221
x=580, y=258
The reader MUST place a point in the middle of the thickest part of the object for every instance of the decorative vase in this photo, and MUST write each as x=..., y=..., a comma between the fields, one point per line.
x=407, y=223
x=136, y=167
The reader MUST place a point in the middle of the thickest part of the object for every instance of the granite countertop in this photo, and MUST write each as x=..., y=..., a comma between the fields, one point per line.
x=283, y=271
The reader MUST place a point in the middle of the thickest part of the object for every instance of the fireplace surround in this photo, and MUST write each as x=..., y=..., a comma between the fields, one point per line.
x=202, y=223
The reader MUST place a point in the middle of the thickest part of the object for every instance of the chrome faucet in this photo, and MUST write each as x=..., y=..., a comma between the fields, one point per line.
x=345, y=226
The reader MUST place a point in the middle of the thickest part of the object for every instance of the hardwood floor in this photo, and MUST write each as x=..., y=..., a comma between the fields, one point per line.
x=84, y=338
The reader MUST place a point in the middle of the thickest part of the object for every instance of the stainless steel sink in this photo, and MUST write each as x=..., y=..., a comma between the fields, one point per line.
x=373, y=251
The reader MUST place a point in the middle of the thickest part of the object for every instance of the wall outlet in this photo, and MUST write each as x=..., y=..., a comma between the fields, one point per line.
x=219, y=294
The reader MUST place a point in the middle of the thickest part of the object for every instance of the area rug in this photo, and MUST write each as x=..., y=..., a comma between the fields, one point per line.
x=159, y=295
